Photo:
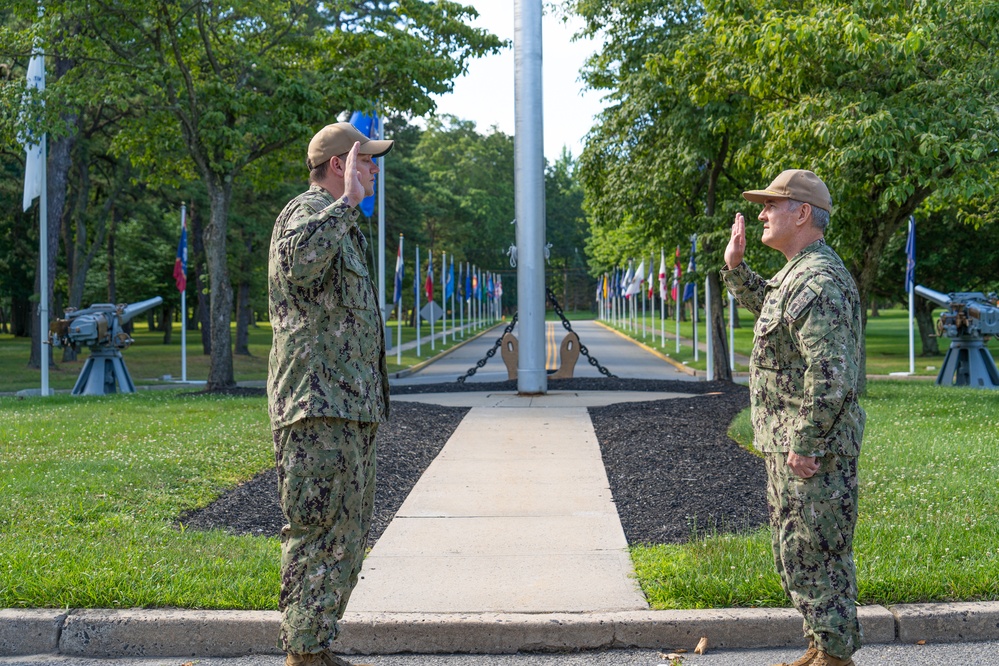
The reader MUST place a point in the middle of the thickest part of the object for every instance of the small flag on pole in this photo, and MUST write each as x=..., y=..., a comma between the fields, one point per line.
x=33, y=151
x=429, y=284
x=449, y=281
x=397, y=294
x=635, y=284
x=662, y=274
x=910, y=253
x=677, y=274
x=368, y=126
x=688, y=291
x=180, y=264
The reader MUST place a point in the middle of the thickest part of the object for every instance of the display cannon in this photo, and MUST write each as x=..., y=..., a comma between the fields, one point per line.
x=100, y=327
x=971, y=319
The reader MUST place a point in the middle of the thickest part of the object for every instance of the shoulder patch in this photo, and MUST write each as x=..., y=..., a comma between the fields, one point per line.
x=800, y=303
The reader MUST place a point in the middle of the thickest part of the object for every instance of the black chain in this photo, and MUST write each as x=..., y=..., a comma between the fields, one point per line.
x=582, y=348
x=491, y=352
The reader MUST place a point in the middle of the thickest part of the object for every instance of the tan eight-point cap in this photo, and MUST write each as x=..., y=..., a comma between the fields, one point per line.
x=796, y=184
x=337, y=139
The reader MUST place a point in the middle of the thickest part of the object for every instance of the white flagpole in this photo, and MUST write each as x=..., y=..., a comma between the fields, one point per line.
x=381, y=221
x=912, y=310
x=707, y=321
x=183, y=305
x=430, y=299
x=416, y=280
x=443, y=297
x=398, y=314
x=694, y=318
x=731, y=331
x=36, y=184
x=454, y=288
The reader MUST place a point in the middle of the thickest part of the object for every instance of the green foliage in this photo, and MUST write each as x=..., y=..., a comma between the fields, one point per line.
x=889, y=103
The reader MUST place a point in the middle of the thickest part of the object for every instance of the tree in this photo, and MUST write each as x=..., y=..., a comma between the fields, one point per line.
x=890, y=104
x=224, y=84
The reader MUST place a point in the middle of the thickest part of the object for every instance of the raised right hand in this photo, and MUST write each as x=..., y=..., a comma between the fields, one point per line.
x=353, y=190
x=736, y=248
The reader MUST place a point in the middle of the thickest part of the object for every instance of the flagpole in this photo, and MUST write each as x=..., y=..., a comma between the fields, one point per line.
x=731, y=331
x=694, y=318
x=430, y=298
x=44, y=344
x=183, y=305
x=417, y=285
x=398, y=315
x=707, y=320
x=444, y=296
x=910, y=274
x=380, y=184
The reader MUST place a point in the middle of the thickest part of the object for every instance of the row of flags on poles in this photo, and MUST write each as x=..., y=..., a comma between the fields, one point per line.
x=472, y=282
x=629, y=282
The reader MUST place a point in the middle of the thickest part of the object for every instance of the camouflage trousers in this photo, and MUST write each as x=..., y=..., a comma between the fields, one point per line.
x=326, y=484
x=812, y=522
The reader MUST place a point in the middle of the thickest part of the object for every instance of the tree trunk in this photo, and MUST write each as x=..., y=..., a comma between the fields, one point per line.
x=204, y=298
x=112, y=278
x=243, y=317
x=874, y=308
x=719, y=341
x=220, y=372
x=20, y=316
x=167, y=324
x=927, y=330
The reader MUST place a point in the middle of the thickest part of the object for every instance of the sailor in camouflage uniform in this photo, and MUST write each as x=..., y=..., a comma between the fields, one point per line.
x=804, y=374
x=327, y=388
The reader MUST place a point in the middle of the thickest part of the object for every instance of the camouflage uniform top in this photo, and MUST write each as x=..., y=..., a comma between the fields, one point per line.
x=328, y=355
x=805, y=365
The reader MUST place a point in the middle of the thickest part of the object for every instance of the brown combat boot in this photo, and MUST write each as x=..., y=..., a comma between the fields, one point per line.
x=823, y=659
x=316, y=659
x=807, y=659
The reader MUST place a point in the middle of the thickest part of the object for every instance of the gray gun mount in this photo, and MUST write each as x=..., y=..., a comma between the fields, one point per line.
x=100, y=327
x=970, y=320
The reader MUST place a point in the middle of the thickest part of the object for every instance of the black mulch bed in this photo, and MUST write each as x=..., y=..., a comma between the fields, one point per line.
x=671, y=466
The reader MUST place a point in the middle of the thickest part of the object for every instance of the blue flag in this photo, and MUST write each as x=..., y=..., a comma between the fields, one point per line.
x=368, y=126
x=449, y=281
x=468, y=283
x=397, y=295
x=180, y=263
x=688, y=291
x=910, y=253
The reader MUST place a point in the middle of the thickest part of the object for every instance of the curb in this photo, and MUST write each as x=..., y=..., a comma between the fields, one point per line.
x=676, y=364
x=103, y=634
x=422, y=364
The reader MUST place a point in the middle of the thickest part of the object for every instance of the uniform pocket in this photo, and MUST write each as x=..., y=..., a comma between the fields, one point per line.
x=355, y=288
x=766, y=348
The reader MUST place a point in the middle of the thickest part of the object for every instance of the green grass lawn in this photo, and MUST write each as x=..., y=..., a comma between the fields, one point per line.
x=93, y=487
x=928, y=528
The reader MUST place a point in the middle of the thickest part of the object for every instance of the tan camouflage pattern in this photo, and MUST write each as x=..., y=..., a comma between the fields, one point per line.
x=805, y=365
x=326, y=484
x=803, y=380
x=812, y=522
x=328, y=354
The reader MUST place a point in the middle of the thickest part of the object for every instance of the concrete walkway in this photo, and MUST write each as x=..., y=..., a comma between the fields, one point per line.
x=514, y=516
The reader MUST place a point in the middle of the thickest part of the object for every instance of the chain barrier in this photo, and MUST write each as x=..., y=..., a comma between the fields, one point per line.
x=513, y=322
x=582, y=348
x=490, y=353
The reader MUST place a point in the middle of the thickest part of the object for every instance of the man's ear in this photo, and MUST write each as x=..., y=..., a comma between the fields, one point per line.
x=335, y=166
x=804, y=213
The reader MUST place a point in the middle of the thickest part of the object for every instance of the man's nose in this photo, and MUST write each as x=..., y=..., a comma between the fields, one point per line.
x=762, y=217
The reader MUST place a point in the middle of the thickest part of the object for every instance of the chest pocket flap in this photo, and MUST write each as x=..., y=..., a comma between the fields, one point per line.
x=355, y=290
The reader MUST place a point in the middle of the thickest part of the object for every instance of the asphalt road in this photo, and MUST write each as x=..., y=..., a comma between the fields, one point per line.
x=959, y=654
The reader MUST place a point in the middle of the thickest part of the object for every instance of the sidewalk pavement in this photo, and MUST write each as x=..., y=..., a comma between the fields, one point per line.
x=509, y=542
